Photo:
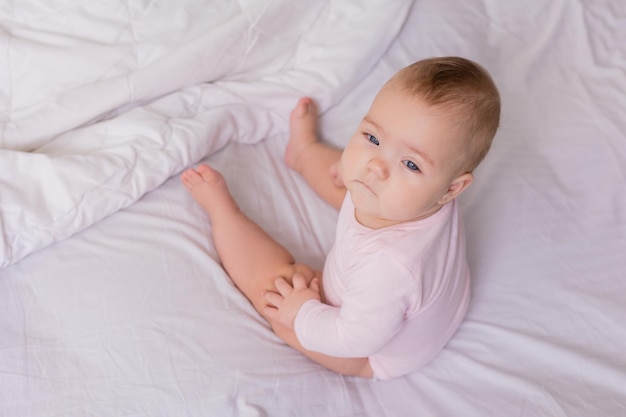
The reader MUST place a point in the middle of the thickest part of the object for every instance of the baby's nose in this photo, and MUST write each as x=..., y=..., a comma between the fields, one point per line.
x=379, y=167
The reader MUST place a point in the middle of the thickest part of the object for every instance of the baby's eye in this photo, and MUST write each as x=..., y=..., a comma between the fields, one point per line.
x=411, y=165
x=372, y=139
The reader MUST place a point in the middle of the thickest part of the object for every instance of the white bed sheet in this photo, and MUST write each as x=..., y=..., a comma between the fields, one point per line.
x=134, y=316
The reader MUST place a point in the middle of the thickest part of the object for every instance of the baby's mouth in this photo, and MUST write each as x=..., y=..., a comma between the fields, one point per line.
x=364, y=185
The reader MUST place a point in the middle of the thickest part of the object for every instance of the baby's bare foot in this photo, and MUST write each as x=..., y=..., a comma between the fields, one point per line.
x=303, y=131
x=208, y=188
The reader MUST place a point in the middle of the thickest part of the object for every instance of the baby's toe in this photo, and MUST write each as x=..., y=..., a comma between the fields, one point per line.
x=190, y=177
x=208, y=174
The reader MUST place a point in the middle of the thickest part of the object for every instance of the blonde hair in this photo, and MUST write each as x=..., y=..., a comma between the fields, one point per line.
x=464, y=88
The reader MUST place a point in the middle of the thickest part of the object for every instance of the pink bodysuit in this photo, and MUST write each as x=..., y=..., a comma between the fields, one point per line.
x=395, y=295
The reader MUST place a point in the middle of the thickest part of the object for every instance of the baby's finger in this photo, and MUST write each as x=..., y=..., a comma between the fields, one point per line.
x=315, y=284
x=274, y=299
x=283, y=287
x=271, y=312
x=299, y=282
x=333, y=171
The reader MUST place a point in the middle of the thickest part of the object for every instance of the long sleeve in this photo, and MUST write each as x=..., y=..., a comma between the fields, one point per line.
x=373, y=308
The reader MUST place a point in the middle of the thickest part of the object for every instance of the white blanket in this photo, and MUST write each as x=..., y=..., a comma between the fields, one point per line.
x=102, y=102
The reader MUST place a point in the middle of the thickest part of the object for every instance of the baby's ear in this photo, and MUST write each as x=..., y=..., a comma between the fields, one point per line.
x=456, y=187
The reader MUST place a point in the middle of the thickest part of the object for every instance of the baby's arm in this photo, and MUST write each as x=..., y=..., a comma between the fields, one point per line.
x=284, y=305
x=373, y=309
x=287, y=303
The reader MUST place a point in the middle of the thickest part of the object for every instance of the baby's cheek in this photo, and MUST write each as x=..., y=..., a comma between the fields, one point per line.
x=404, y=204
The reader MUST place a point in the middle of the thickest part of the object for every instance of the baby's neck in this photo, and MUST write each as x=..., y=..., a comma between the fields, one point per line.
x=375, y=222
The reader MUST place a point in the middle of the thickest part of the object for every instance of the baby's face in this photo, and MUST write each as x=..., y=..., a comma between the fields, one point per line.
x=400, y=161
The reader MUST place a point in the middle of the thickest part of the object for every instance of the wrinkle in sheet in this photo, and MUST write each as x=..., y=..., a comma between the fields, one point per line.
x=535, y=48
x=605, y=22
x=543, y=355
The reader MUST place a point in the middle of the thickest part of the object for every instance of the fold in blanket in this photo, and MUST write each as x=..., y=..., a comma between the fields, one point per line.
x=100, y=105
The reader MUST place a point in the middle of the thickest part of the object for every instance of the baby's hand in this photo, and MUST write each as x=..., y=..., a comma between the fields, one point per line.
x=335, y=174
x=285, y=304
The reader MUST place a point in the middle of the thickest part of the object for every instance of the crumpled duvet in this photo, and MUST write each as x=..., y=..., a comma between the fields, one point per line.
x=101, y=102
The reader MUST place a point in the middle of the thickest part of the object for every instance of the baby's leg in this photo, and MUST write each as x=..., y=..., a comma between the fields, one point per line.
x=311, y=158
x=252, y=259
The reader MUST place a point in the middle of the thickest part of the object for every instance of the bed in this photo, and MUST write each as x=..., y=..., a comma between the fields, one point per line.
x=112, y=299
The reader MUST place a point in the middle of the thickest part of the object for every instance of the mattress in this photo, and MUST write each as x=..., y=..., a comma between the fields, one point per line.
x=113, y=301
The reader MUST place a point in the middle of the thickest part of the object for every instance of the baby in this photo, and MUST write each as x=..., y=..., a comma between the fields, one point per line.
x=395, y=285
